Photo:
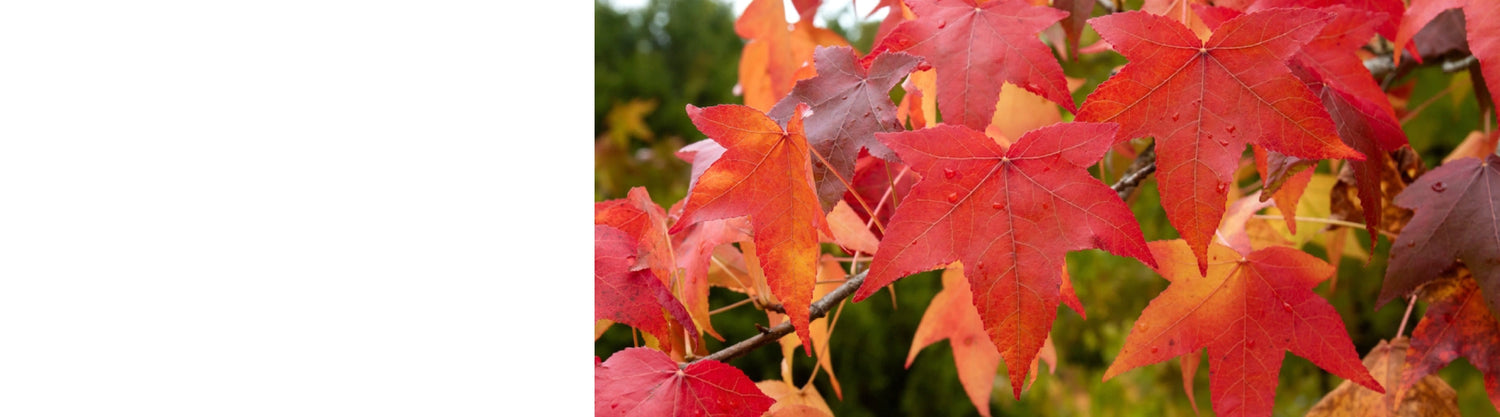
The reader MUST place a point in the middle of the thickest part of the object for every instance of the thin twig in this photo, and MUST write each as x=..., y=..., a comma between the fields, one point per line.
x=731, y=306
x=1144, y=165
x=1335, y=222
x=817, y=310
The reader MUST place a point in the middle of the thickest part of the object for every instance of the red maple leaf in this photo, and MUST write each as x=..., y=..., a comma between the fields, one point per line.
x=640, y=382
x=635, y=298
x=1247, y=311
x=1009, y=215
x=1481, y=21
x=977, y=48
x=1457, y=216
x=1203, y=101
x=1457, y=324
x=849, y=103
x=765, y=173
x=1360, y=111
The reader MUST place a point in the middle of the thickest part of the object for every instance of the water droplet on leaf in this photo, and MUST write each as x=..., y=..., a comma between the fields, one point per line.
x=1439, y=186
x=997, y=205
x=952, y=197
x=1176, y=116
x=949, y=173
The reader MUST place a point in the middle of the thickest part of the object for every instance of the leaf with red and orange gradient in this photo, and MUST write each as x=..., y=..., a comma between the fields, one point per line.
x=640, y=382
x=1457, y=218
x=1010, y=215
x=951, y=315
x=850, y=103
x=1204, y=101
x=634, y=298
x=1247, y=311
x=1457, y=324
x=976, y=48
x=776, y=53
x=766, y=174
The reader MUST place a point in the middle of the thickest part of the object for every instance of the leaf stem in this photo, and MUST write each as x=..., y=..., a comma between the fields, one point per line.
x=747, y=300
x=1409, y=304
x=1335, y=222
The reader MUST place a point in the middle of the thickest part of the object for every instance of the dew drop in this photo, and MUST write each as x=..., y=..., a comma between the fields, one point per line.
x=844, y=98
x=952, y=197
x=949, y=173
x=630, y=260
x=978, y=265
x=1250, y=344
x=1176, y=116
x=924, y=66
x=1221, y=187
x=867, y=114
x=1411, y=244
x=942, y=24
x=997, y=205
x=1286, y=306
x=1229, y=129
x=1439, y=186
x=1155, y=349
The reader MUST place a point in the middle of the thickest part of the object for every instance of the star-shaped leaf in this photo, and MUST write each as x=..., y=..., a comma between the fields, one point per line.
x=1247, y=311
x=1204, y=100
x=977, y=48
x=849, y=103
x=764, y=173
x=1457, y=216
x=1010, y=215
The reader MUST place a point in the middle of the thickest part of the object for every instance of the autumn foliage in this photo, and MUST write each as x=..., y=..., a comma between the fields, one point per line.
x=821, y=189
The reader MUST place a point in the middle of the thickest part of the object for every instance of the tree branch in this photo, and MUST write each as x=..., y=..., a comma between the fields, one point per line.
x=1144, y=165
x=818, y=309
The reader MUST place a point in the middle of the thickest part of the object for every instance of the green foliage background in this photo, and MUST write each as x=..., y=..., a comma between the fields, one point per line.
x=676, y=52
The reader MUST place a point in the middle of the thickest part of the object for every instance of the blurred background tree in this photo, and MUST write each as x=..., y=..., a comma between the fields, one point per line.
x=651, y=61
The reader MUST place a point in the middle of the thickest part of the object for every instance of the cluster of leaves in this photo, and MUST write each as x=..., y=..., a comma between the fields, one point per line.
x=973, y=171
